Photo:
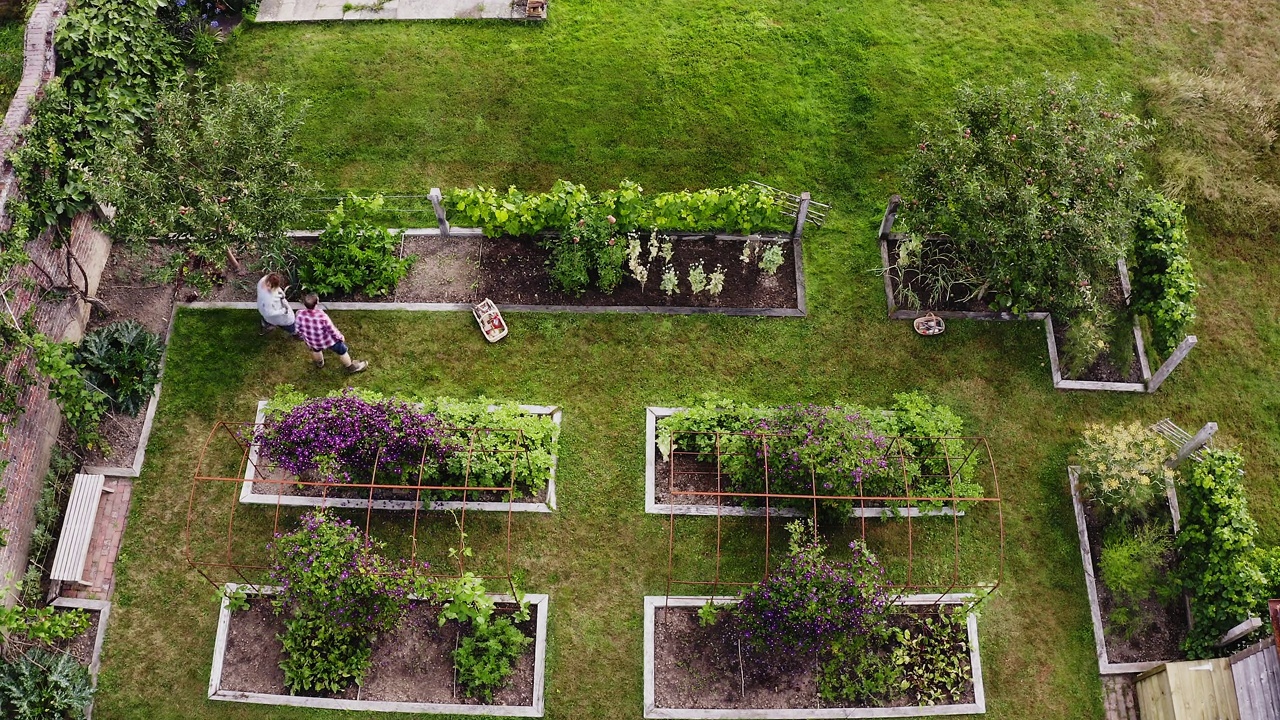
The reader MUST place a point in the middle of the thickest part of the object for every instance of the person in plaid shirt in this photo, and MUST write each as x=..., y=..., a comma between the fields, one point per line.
x=318, y=332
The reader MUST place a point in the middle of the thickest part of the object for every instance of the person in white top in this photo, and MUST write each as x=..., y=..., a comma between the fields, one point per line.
x=272, y=305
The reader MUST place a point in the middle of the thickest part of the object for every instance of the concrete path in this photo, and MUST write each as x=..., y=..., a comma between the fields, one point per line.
x=304, y=10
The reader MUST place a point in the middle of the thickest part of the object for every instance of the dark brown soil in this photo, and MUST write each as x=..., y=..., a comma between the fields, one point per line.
x=342, y=492
x=1162, y=639
x=1102, y=370
x=910, y=279
x=445, y=271
x=690, y=475
x=122, y=433
x=697, y=667
x=514, y=272
x=413, y=663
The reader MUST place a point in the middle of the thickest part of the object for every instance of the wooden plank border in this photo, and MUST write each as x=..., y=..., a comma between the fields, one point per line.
x=651, y=709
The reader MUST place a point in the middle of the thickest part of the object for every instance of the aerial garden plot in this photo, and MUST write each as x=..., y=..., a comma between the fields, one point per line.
x=698, y=473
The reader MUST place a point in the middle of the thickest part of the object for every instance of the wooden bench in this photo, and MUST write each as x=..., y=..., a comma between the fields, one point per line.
x=77, y=529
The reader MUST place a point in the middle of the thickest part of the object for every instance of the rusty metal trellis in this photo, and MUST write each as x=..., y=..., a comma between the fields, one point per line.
x=226, y=562
x=897, y=455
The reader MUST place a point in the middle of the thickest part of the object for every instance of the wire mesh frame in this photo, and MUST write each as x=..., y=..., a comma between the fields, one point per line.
x=896, y=451
x=239, y=431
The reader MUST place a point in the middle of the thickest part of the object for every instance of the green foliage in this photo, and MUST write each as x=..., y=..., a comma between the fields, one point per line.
x=115, y=57
x=320, y=657
x=83, y=405
x=43, y=625
x=1027, y=191
x=215, y=171
x=1087, y=337
x=1132, y=565
x=42, y=685
x=354, y=254
x=1164, y=284
x=771, y=259
x=507, y=444
x=709, y=612
x=486, y=657
x=53, y=164
x=1216, y=550
x=741, y=209
x=948, y=468
x=1122, y=469
x=696, y=427
x=123, y=361
x=463, y=599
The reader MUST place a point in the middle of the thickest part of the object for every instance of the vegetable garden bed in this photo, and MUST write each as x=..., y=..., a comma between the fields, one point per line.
x=412, y=668
x=696, y=491
x=690, y=671
x=265, y=484
x=1118, y=655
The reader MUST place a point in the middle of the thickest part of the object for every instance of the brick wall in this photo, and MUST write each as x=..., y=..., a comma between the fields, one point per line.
x=32, y=437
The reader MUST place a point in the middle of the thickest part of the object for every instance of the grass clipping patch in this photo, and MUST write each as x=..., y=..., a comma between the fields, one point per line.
x=1219, y=153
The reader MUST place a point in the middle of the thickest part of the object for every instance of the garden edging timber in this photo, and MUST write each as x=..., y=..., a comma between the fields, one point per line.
x=1150, y=381
x=651, y=505
x=103, y=609
x=651, y=709
x=248, y=496
x=1105, y=666
x=801, y=309
x=539, y=602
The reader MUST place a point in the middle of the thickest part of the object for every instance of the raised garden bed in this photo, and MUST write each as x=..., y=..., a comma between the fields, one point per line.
x=1137, y=377
x=452, y=273
x=412, y=670
x=658, y=499
x=1116, y=654
x=131, y=294
x=87, y=647
x=688, y=674
x=253, y=491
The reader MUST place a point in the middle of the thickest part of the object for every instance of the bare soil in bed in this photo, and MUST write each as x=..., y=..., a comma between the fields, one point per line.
x=412, y=663
x=1162, y=639
x=700, y=667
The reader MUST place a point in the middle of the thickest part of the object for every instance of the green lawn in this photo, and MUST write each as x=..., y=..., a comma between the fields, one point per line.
x=11, y=35
x=818, y=96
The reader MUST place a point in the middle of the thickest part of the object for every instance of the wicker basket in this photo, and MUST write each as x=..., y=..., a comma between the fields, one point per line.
x=929, y=325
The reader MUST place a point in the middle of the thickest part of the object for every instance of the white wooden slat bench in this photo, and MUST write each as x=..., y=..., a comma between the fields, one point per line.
x=77, y=529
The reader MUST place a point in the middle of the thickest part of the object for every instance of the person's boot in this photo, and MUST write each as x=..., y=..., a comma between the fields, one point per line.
x=357, y=366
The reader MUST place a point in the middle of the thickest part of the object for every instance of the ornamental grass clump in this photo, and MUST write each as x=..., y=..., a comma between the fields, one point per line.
x=809, y=601
x=343, y=438
x=1122, y=469
x=336, y=593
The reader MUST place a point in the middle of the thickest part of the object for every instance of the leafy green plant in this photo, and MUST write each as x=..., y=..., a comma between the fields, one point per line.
x=670, y=283
x=320, y=657
x=715, y=282
x=1132, y=567
x=709, y=613
x=946, y=467
x=123, y=361
x=1122, y=469
x=486, y=657
x=83, y=406
x=1086, y=340
x=771, y=259
x=1026, y=192
x=857, y=672
x=697, y=278
x=354, y=254
x=1216, y=550
x=43, y=625
x=500, y=446
x=43, y=685
x=568, y=264
x=1164, y=283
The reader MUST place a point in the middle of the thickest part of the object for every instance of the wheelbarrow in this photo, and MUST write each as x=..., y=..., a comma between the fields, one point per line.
x=490, y=320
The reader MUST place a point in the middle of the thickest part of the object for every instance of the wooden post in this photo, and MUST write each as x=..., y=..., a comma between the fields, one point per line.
x=890, y=214
x=438, y=206
x=802, y=212
x=1239, y=631
x=1183, y=348
x=1200, y=440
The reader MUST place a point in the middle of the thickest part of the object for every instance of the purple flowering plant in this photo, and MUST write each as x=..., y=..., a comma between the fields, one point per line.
x=809, y=601
x=336, y=592
x=342, y=438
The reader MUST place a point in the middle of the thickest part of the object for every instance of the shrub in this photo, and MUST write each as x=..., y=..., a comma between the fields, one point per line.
x=1216, y=550
x=1164, y=285
x=41, y=685
x=809, y=600
x=1122, y=469
x=354, y=254
x=486, y=658
x=346, y=437
x=336, y=592
x=123, y=361
x=1026, y=191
